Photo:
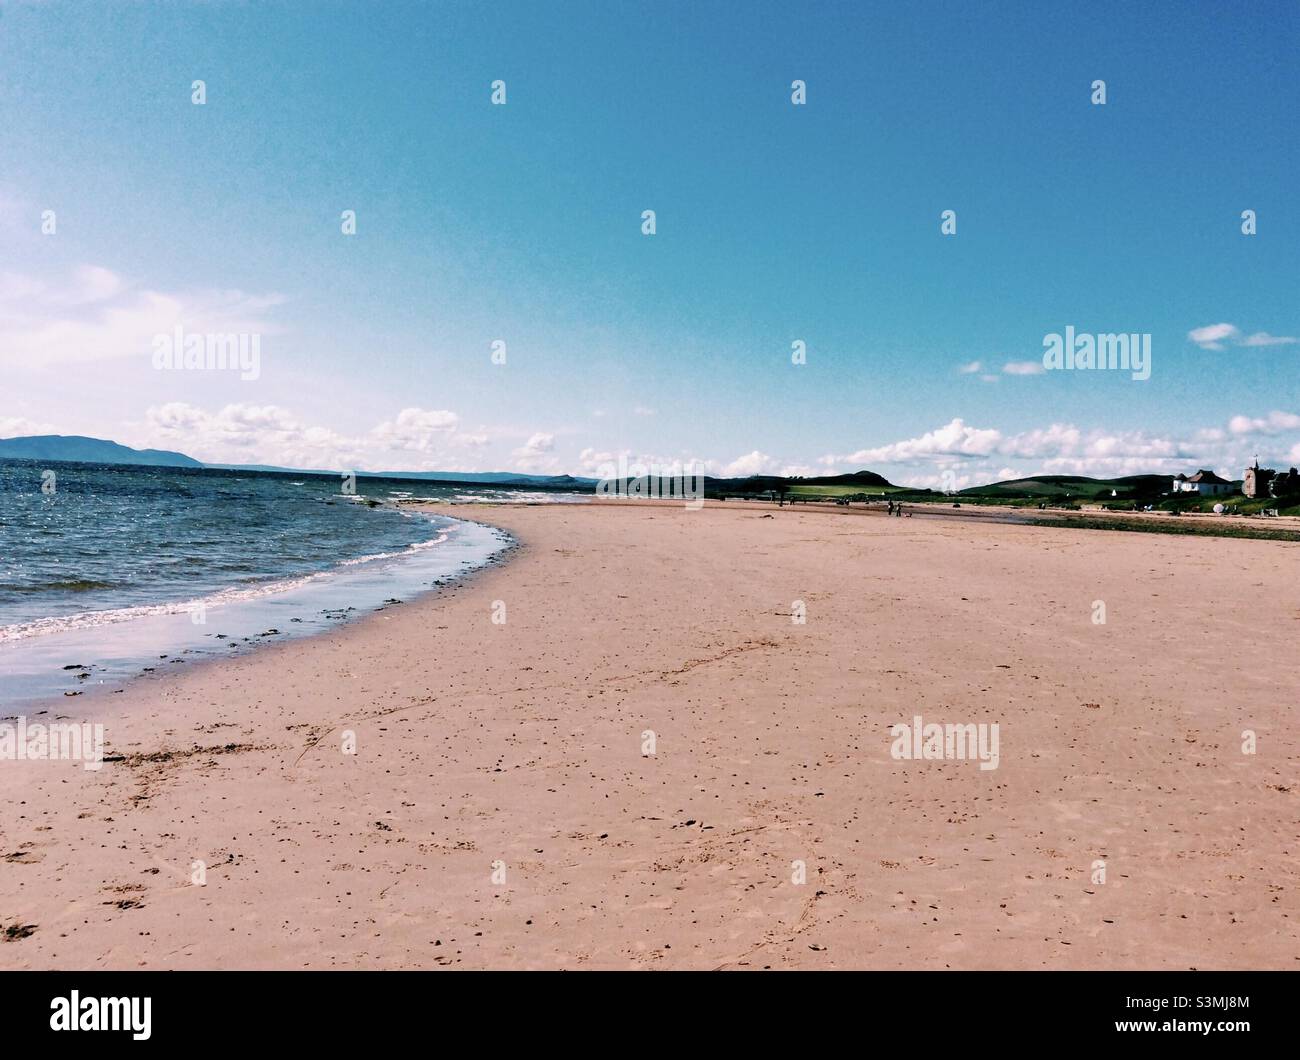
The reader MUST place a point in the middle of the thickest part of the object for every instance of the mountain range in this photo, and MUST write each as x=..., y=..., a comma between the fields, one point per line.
x=74, y=448
x=80, y=449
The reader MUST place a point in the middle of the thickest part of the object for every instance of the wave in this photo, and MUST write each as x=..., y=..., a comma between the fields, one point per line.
x=515, y=496
x=230, y=595
x=69, y=585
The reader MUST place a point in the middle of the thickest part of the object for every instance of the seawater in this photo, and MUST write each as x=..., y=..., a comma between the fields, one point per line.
x=109, y=572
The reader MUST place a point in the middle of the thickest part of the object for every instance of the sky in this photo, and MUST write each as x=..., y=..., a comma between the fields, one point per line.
x=128, y=210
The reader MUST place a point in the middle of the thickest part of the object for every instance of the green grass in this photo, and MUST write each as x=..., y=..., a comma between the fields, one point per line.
x=1072, y=487
x=1238, y=503
x=873, y=492
x=1059, y=494
x=1218, y=528
x=1021, y=502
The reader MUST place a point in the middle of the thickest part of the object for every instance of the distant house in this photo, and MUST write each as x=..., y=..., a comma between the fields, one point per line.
x=1286, y=483
x=1265, y=482
x=1206, y=483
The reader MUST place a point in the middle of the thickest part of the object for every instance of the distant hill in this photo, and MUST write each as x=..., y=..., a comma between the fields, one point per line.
x=857, y=478
x=79, y=449
x=766, y=483
x=1075, y=486
x=76, y=448
x=455, y=478
x=485, y=478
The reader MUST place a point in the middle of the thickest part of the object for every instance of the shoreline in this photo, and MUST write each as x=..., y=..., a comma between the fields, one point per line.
x=521, y=743
x=45, y=670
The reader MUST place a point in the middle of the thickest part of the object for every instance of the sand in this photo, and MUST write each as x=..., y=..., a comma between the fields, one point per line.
x=499, y=811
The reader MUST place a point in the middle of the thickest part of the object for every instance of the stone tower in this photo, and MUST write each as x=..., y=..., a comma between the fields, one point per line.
x=1255, y=481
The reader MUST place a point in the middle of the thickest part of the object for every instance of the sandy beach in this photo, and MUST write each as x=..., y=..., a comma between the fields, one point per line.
x=499, y=810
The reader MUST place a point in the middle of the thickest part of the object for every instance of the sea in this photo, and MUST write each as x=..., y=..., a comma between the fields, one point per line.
x=113, y=572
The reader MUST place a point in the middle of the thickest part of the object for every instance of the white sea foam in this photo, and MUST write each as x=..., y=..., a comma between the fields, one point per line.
x=519, y=497
x=230, y=595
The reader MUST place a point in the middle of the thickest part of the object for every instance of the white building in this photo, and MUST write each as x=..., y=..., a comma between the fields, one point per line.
x=1206, y=483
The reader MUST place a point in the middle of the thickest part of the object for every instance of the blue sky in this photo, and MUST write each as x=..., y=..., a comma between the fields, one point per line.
x=775, y=223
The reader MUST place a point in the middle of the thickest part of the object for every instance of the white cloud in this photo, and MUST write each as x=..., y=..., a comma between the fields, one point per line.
x=20, y=426
x=536, y=445
x=417, y=429
x=251, y=434
x=1263, y=338
x=754, y=463
x=1023, y=368
x=271, y=434
x=534, y=456
x=96, y=315
x=92, y=283
x=954, y=439
x=1274, y=423
x=604, y=463
x=971, y=368
x=1211, y=336
x=591, y=461
x=1215, y=336
x=1043, y=441
x=983, y=454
